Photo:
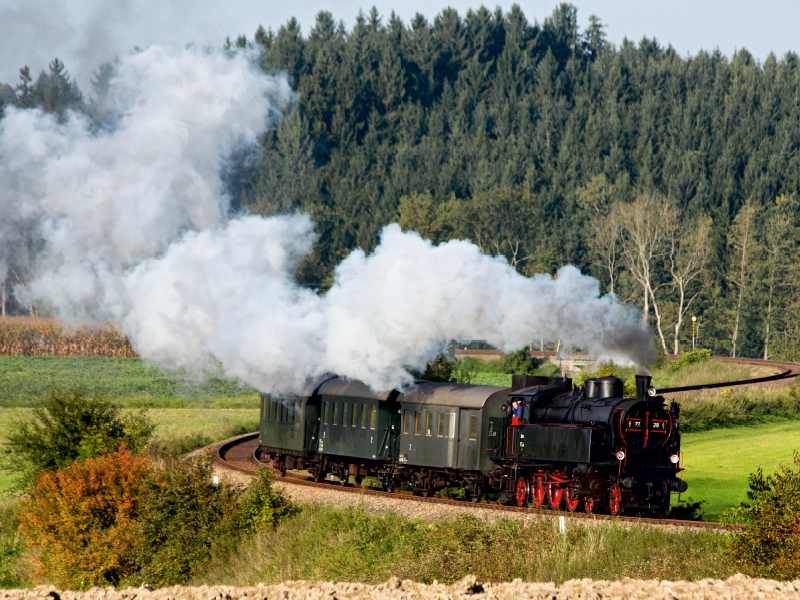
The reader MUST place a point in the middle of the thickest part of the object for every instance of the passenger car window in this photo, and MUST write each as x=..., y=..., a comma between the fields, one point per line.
x=373, y=417
x=473, y=427
x=335, y=420
x=406, y=418
x=363, y=416
x=417, y=422
x=440, y=424
x=325, y=412
x=452, y=425
x=344, y=413
x=354, y=421
x=428, y=423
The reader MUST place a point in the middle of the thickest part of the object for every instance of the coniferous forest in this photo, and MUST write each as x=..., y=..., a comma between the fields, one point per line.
x=675, y=180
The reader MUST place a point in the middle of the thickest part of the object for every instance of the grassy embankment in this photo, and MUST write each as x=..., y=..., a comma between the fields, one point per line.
x=350, y=545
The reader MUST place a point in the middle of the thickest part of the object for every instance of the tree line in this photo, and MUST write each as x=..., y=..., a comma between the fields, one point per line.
x=673, y=180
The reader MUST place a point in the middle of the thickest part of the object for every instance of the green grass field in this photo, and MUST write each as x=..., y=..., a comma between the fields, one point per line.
x=127, y=381
x=718, y=462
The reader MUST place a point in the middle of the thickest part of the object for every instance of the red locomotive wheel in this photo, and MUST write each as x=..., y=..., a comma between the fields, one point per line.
x=589, y=505
x=555, y=494
x=615, y=500
x=522, y=491
x=572, y=498
x=538, y=491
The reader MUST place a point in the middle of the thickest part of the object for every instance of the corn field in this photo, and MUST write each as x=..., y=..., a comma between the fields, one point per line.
x=33, y=336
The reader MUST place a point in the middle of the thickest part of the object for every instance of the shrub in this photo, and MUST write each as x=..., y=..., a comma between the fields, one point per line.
x=80, y=520
x=770, y=545
x=689, y=358
x=438, y=369
x=69, y=425
x=263, y=505
x=518, y=363
x=185, y=519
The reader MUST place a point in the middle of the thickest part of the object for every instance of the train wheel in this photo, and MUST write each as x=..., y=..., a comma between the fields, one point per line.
x=589, y=505
x=572, y=498
x=522, y=491
x=538, y=491
x=555, y=494
x=615, y=500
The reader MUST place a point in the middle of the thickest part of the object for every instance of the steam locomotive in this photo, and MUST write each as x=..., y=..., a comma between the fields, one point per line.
x=581, y=448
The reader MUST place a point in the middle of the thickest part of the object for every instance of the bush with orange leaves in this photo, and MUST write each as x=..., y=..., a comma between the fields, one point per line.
x=81, y=520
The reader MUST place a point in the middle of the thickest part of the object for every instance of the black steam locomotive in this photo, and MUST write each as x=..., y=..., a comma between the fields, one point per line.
x=584, y=448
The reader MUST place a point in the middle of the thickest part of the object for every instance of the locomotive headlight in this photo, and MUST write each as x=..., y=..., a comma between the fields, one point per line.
x=651, y=392
x=674, y=459
x=620, y=455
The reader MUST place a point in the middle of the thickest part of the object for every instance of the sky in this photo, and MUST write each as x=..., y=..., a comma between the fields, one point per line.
x=84, y=33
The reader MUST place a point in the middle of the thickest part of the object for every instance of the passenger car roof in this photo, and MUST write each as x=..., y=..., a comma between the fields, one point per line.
x=352, y=389
x=450, y=394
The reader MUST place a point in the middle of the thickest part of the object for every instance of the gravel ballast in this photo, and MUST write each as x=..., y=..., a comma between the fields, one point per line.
x=737, y=587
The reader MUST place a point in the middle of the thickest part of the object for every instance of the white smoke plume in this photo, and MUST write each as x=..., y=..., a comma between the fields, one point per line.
x=229, y=293
x=101, y=202
x=132, y=225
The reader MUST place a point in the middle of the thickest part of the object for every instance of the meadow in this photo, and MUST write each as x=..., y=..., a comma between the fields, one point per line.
x=718, y=461
x=128, y=381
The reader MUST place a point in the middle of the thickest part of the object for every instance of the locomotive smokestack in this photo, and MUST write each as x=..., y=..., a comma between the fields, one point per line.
x=642, y=384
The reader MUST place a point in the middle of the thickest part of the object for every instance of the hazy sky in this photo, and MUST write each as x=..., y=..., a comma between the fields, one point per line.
x=85, y=32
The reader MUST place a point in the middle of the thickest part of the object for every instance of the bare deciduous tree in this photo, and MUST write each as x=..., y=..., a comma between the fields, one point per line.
x=606, y=243
x=688, y=259
x=650, y=224
x=742, y=242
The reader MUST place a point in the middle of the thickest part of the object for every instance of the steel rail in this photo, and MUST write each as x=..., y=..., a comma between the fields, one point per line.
x=301, y=480
x=792, y=370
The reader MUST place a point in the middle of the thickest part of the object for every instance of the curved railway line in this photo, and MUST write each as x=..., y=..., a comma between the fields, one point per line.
x=241, y=454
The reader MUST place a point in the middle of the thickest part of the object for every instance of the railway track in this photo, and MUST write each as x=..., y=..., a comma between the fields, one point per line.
x=241, y=454
x=787, y=370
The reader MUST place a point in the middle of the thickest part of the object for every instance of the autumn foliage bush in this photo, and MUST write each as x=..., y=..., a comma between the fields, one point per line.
x=81, y=521
x=125, y=519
